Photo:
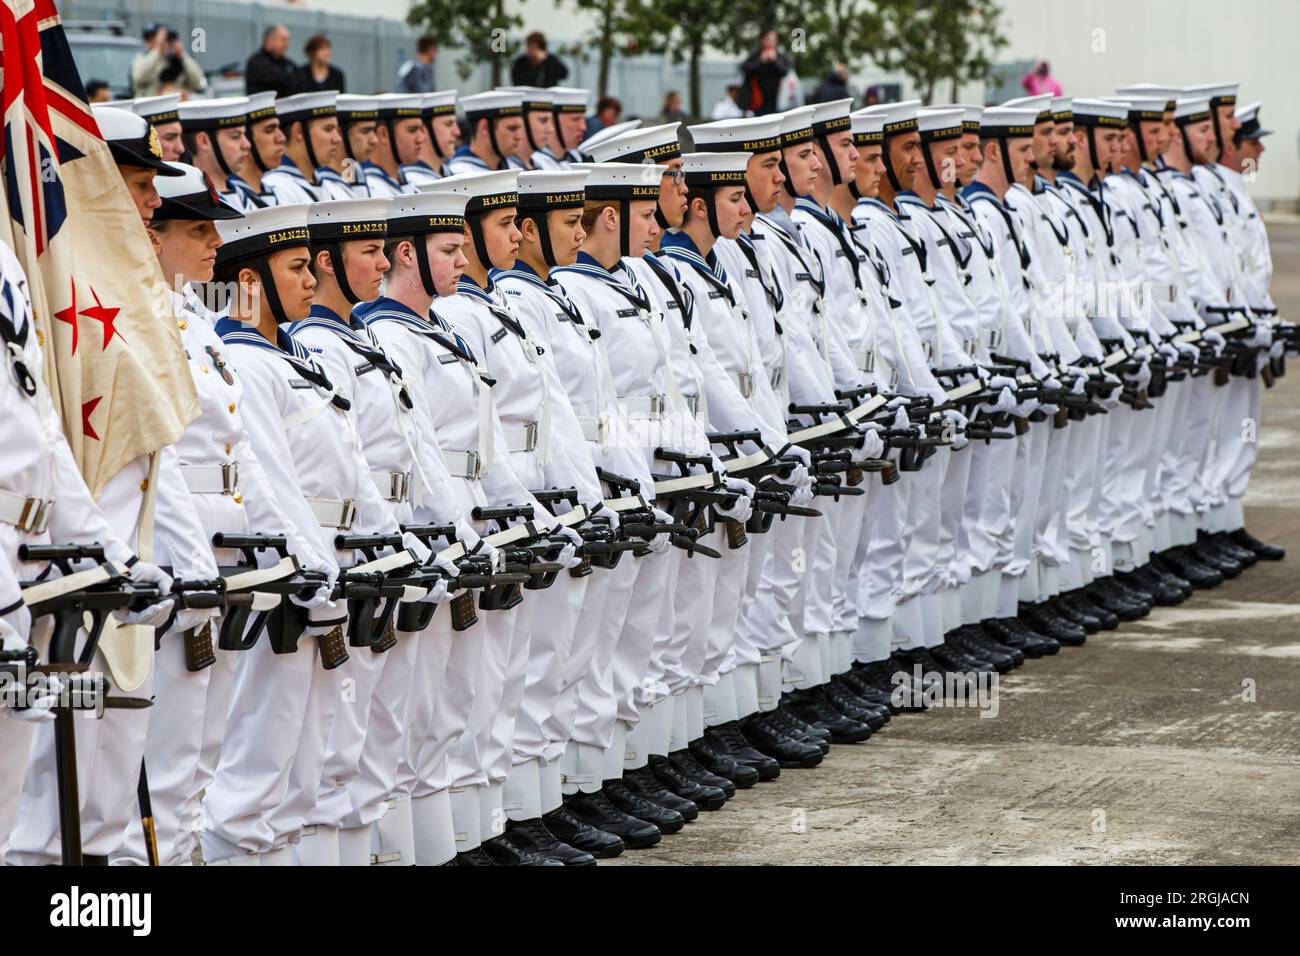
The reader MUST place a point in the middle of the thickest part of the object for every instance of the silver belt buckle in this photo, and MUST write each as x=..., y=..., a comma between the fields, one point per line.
x=969, y=346
x=745, y=382
x=869, y=360
x=348, y=512
x=656, y=406
x=399, y=485
x=35, y=515
x=473, y=465
x=530, y=436
x=776, y=376
x=229, y=477
x=893, y=379
x=693, y=404
x=995, y=338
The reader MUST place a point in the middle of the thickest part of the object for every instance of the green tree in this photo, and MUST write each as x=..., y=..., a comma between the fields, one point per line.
x=483, y=30
x=622, y=26
x=932, y=41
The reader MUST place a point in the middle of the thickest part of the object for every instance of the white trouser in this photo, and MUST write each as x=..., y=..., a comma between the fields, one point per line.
x=597, y=709
x=555, y=625
x=588, y=652
x=769, y=621
x=431, y=726
x=921, y=530
x=952, y=508
x=848, y=516
x=109, y=751
x=721, y=610
x=633, y=685
x=685, y=622
x=1239, y=437
x=471, y=757
x=749, y=644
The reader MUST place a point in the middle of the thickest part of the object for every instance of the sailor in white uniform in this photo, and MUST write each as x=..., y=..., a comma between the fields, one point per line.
x=312, y=143
x=438, y=113
x=401, y=138
x=266, y=144
x=216, y=141
x=496, y=132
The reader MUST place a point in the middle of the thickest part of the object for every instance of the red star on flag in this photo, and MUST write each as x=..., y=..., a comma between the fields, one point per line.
x=88, y=409
x=105, y=316
x=69, y=315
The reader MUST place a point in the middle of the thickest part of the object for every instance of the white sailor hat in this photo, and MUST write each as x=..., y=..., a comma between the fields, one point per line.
x=715, y=170
x=899, y=118
x=1063, y=109
x=1167, y=93
x=754, y=134
x=261, y=106
x=652, y=144
x=492, y=104
x=546, y=189
x=535, y=99
x=439, y=103
x=868, y=127
x=1219, y=94
x=356, y=109
x=262, y=232
x=484, y=191
x=1143, y=108
x=425, y=212
x=970, y=118
x=344, y=220
x=1000, y=122
x=1040, y=103
x=400, y=105
x=1250, y=127
x=191, y=196
x=630, y=181
x=940, y=123
x=213, y=114
x=1192, y=109
x=155, y=109
x=831, y=117
x=796, y=125
x=607, y=133
x=306, y=106
x=1097, y=112
x=131, y=140
x=569, y=99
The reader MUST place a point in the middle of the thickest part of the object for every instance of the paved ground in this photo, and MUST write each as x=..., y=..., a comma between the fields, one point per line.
x=1172, y=740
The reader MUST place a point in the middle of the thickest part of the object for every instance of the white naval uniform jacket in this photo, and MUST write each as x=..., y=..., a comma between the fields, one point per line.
x=413, y=174
x=37, y=462
x=1002, y=227
x=336, y=187
x=812, y=368
x=464, y=161
x=1157, y=241
x=288, y=185
x=749, y=268
x=452, y=400
x=905, y=286
x=304, y=438
x=1209, y=230
x=545, y=159
x=217, y=440
x=722, y=322
x=1103, y=261
x=580, y=386
x=1131, y=248
x=380, y=185
x=948, y=257
x=1257, y=256
x=1213, y=179
x=638, y=346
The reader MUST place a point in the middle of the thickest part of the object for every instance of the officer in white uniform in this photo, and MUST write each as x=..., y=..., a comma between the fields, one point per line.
x=438, y=113
x=539, y=125
x=216, y=142
x=266, y=144
x=402, y=136
x=496, y=132
x=358, y=125
x=569, y=113
x=160, y=112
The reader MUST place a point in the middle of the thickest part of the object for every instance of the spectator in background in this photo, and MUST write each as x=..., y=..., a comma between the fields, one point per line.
x=269, y=68
x=1040, y=80
x=672, y=112
x=416, y=75
x=535, y=66
x=97, y=91
x=872, y=97
x=834, y=87
x=608, y=109
x=164, y=66
x=728, y=107
x=319, y=72
x=763, y=72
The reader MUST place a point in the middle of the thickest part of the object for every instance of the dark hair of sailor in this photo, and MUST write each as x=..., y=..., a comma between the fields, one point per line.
x=538, y=207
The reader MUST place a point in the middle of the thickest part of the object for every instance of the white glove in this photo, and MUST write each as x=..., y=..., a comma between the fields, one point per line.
x=898, y=401
x=1112, y=399
x=955, y=428
x=569, y=553
x=316, y=600
x=1214, y=338
x=142, y=572
x=191, y=617
x=660, y=542
x=901, y=420
x=1260, y=335
x=804, y=456
x=1277, y=350
x=1188, y=351
x=1003, y=381
x=873, y=446
x=605, y=511
x=40, y=702
x=438, y=592
x=419, y=550
x=743, y=506
x=1142, y=377
x=1168, y=351
x=155, y=615
x=444, y=564
x=483, y=549
x=1005, y=402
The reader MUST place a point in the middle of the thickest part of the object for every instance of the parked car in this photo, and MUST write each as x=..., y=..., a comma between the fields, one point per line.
x=103, y=51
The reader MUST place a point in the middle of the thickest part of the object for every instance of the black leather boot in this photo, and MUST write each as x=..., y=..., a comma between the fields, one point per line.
x=811, y=705
x=730, y=740
x=570, y=829
x=644, y=782
x=1223, y=541
x=595, y=810
x=533, y=836
x=505, y=853
x=1065, y=609
x=857, y=681
x=624, y=798
x=1110, y=594
x=1165, y=595
x=1265, y=552
x=1047, y=622
x=721, y=763
x=970, y=638
x=1082, y=602
x=672, y=779
x=685, y=761
x=895, y=682
x=849, y=704
x=1209, y=555
x=1013, y=632
x=800, y=730
x=764, y=734
x=1186, y=565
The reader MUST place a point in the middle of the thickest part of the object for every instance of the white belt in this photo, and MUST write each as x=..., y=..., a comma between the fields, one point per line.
x=593, y=428
x=522, y=439
x=212, y=479
x=333, y=513
x=745, y=382
x=647, y=406
x=392, y=485
x=24, y=513
x=864, y=359
x=775, y=376
x=463, y=464
x=1163, y=293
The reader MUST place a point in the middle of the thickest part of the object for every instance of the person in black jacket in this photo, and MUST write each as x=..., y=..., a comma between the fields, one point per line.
x=834, y=87
x=535, y=66
x=763, y=71
x=319, y=72
x=269, y=68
